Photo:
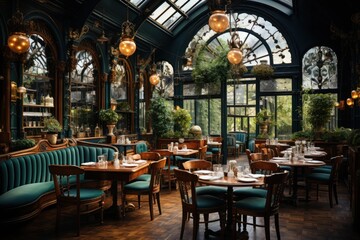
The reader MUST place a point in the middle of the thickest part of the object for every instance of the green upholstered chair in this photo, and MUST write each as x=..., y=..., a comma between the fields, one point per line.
x=168, y=172
x=262, y=206
x=241, y=138
x=83, y=200
x=329, y=179
x=151, y=188
x=141, y=146
x=232, y=146
x=150, y=156
x=200, y=164
x=195, y=204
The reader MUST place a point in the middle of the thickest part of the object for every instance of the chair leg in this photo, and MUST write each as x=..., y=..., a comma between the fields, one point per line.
x=222, y=216
x=267, y=227
x=78, y=221
x=158, y=202
x=206, y=221
x=335, y=194
x=330, y=195
x=151, y=206
x=277, y=226
x=139, y=198
x=195, y=225
x=254, y=222
x=244, y=222
x=184, y=217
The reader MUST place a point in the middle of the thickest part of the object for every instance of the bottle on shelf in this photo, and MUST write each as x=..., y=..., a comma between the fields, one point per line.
x=97, y=131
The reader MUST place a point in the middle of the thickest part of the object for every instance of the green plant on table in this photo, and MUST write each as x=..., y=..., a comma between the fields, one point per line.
x=52, y=125
x=109, y=116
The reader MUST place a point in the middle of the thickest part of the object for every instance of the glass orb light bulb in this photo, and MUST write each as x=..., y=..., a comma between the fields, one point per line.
x=354, y=94
x=218, y=21
x=154, y=79
x=235, y=56
x=18, y=42
x=349, y=102
x=127, y=47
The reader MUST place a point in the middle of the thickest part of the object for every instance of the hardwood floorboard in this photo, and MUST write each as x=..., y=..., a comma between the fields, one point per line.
x=313, y=220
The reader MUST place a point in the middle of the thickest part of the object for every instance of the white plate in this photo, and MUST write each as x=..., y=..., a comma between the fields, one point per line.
x=88, y=163
x=242, y=179
x=313, y=161
x=279, y=158
x=256, y=175
x=129, y=165
x=203, y=172
x=279, y=161
x=140, y=161
x=208, y=177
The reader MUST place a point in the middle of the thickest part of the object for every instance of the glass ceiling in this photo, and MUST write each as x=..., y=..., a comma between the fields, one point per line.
x=171, y=12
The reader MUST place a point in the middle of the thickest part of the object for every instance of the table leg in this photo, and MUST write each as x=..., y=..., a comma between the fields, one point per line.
x=114, y=208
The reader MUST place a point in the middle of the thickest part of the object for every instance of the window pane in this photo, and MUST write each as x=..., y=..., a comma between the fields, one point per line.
x=215, y=116
x=276, y=85
x=284, y=117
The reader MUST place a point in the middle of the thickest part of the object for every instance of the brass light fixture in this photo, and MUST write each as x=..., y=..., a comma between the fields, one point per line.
x=350, y=102
x=15, y=90
x=218, y=21
x=18, y=41
x=127, y=45
x=355, y=94
x=235, y=55
x=154, y=78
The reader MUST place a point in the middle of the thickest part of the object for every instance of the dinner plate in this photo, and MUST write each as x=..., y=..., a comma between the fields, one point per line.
x=279, y=161
x=256, y=175
x=313, y=161
x=140, y=161
x=209, y=177
x=280, y=158
x=203, y=172
x=88, y=163
x=129, y=165
x=243, y=179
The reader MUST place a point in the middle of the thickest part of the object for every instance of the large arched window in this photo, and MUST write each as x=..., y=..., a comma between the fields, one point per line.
x=245, y=94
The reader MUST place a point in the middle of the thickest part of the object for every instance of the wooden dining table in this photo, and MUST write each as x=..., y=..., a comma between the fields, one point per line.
x=230, y=183
x=118, y=175
x=298, y=165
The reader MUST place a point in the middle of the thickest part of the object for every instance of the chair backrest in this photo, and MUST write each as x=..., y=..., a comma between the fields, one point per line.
x=275, y=188
x=231, y=140
x=187, y=182
x=268, y=153
x=156, y=168
x=257, y=157
x=62, y=176
x=197, y=164
x=259, y=146
x=335, y=163
x=202, y=152
x=153, y=156
x=264, y=167
x=141, y=146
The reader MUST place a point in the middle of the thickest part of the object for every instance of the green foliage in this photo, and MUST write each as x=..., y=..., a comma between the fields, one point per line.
x=182, y=121
x=303, y=135
x=109, y=116
x=161, y=117
x=20, y=144
x=209, y=71
x=52, y=125
x=337, y=135
x=354, y=138
x=318, y=111
x=262, y=70
x=264, y=117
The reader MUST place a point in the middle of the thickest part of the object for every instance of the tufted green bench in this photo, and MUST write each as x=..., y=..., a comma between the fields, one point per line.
x=26, y=186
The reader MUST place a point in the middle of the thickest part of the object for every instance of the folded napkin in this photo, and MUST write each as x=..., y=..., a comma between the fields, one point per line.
x=256, y=175
x=88, y=163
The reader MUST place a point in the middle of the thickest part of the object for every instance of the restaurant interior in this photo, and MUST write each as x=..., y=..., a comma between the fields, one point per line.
x=180, y=119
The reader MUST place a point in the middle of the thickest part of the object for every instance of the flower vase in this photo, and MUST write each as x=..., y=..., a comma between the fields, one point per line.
x=52, y=137
x=111, y=129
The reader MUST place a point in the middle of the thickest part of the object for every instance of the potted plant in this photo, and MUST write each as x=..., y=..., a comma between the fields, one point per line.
x=263, y=70
x=110, y=118
x=52, y=127
x=182, y=121
x=264, y=120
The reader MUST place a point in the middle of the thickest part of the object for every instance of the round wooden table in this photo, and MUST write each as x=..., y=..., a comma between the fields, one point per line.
x=296, y=165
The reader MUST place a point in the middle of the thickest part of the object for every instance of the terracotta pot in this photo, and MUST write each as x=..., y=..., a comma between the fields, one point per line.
x=52, y=137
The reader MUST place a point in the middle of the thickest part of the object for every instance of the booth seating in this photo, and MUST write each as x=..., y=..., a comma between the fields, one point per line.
x=26, y=185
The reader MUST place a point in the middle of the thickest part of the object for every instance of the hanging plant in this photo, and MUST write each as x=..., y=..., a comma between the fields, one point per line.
x=238, y=70
x=263, y=70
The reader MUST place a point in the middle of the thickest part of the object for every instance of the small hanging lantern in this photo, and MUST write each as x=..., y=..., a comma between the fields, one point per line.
x=18, y=41
x=127, y=45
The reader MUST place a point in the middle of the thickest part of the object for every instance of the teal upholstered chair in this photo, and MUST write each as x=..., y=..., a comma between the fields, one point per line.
x=83, y=200
x=262, y=206
x=195, y=204
x=232, y=146
x=150, y=156
x=141, y=146
x=241, y=138
x=329, y=179
x=201, y=164
x=150, y=188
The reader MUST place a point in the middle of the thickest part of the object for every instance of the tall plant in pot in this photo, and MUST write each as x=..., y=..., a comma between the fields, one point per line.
x=110, y=118
x=52, y=127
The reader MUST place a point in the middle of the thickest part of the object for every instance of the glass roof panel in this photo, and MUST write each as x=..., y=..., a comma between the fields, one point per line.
x=138, y=3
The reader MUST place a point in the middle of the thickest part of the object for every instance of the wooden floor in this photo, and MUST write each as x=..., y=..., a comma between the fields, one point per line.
x=308, y=220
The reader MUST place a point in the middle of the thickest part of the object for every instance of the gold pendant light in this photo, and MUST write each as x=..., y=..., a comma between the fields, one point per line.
x=218, y=21
x=127, y=45
x=18, y=41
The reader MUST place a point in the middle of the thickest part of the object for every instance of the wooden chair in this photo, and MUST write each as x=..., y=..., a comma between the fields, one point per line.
x=204, y=154
x=262, y=207
x=198, y=204
x=200, y=164
x=330, y=180
x=257, y=157
x=70, y=195
x=168, y=171
x=150, y=188
x=150, y=156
